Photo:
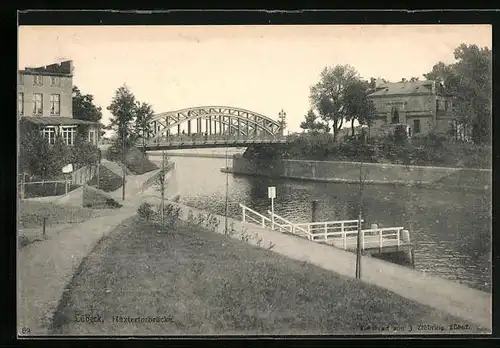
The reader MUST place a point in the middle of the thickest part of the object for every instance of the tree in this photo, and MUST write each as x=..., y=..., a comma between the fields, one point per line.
x=312, y=124
x=357, y=104
x=85, y=109
x=144, y=115
x=328, y=95
x=123, y=111
x=468, y=81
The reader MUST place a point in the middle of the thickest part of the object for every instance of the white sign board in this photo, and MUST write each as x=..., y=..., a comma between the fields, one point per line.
x=271, y=192
x=67, y=168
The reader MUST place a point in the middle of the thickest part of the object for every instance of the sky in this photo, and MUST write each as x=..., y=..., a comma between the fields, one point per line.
x=260, y=68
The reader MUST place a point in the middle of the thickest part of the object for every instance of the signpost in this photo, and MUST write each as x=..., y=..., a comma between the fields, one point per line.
x=271, y=192
x=67, y=170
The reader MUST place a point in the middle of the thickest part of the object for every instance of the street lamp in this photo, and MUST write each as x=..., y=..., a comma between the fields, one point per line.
x=282, y=118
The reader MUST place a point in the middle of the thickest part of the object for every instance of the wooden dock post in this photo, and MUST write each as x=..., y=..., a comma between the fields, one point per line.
x=43, y=225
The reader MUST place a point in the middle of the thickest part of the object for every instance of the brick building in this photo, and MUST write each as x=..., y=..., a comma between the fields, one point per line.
x=422, y=106
x=44, y=98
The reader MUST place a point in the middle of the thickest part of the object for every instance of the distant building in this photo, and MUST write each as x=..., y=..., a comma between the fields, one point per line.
x=421, y=106
x=44, y=98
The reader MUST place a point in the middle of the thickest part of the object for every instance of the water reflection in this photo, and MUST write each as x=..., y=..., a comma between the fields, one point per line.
x=451, y=230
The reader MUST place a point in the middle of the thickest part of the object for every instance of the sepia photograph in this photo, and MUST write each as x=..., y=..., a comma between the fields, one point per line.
x=215, y=180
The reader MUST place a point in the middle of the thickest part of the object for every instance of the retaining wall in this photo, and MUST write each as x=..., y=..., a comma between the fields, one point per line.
x=376, y=173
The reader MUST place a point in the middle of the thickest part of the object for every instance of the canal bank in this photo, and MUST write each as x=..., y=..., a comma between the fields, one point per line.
x=473, y=306
x=477, y=180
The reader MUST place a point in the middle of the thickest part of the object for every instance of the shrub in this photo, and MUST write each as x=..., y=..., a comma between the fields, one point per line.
x=145, y=211
x=171, y=215
x=108, y=180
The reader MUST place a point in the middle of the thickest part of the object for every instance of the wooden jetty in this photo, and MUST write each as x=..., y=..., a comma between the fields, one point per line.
x=392, y=243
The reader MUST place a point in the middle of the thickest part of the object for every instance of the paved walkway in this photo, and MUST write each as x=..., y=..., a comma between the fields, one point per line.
x=45, y=269
x=471, y=305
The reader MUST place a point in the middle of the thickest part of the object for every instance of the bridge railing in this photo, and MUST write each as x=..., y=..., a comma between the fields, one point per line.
x=215, y=138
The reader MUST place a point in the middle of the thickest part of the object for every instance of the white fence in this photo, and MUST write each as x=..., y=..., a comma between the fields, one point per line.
x=342, y=234
x=83, y=175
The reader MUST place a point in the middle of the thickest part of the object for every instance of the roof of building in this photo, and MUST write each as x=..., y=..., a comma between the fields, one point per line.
x=408, y=87
x=58, y=69
x=56, y=121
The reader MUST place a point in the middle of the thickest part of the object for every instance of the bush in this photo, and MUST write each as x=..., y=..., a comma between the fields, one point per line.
x=145, y=211
x=47, y=189
x=108, y=180
x=171, y=215
x=138, y=163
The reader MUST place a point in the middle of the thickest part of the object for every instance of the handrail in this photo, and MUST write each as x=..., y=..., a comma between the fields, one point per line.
x=263, y=218
x=345, y=230
x=327, y=222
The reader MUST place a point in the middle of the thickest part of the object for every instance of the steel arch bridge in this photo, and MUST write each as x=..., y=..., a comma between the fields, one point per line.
x=211, y=126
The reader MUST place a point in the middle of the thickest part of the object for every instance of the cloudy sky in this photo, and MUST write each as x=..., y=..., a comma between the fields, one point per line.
x=261, y=68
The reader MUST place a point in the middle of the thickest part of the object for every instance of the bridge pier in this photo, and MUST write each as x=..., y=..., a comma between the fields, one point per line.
x=189, y=127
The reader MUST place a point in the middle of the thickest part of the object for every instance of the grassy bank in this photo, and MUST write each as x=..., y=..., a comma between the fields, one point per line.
x=429, y=150
x=31, y=214
x=204, y=283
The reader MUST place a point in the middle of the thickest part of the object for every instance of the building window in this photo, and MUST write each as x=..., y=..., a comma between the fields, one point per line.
x=394, y=115
x=68, y=135
x=92, y=136
x=37, y=80
x=55, y=81
x=437, y=105
x=445, y=105
x=20, y=103
x=416, y=126
x=55, y=104
x=37, y=104
x=49, y=133
x=21, y=79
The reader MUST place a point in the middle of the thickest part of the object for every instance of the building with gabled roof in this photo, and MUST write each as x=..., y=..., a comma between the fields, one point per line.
x=45, y=99
x=421, y=106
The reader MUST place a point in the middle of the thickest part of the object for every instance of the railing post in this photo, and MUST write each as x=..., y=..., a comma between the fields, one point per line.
x=244, y=217
x=362, y=240
x=263, y=221
x=326, y=232
x=380, y=238
x=344, y=236
x=399, y=236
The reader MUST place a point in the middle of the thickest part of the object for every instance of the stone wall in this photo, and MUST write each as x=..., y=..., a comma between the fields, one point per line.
x=376, y=173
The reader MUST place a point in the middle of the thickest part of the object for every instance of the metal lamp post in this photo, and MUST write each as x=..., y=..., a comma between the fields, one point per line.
x=282, y=118
x=123, y=162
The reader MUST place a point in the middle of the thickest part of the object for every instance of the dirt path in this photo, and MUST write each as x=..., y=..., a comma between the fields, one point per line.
x=45, y=268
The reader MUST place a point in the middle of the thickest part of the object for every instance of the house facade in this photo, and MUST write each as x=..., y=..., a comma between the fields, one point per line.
x=421, y=106
x=44, y=98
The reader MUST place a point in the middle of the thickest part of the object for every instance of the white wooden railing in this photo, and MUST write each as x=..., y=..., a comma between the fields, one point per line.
x=250, y=215
x=342, y=234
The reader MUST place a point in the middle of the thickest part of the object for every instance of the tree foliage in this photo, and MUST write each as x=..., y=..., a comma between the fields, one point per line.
x=144, y=115
x=357, y=104
x=340, y=95
x=85, y=109
x=123, y=110
x=469, y=82
x=328, y=95
x=45, y=161
x=312, y=124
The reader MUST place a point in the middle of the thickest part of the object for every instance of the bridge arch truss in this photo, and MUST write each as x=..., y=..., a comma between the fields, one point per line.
x=212, y=120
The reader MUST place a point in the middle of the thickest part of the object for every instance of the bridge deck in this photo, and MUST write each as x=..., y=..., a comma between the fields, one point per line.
x=185, y=144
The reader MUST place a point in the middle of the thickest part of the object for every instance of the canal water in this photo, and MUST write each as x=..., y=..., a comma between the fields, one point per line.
x=451, y=231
